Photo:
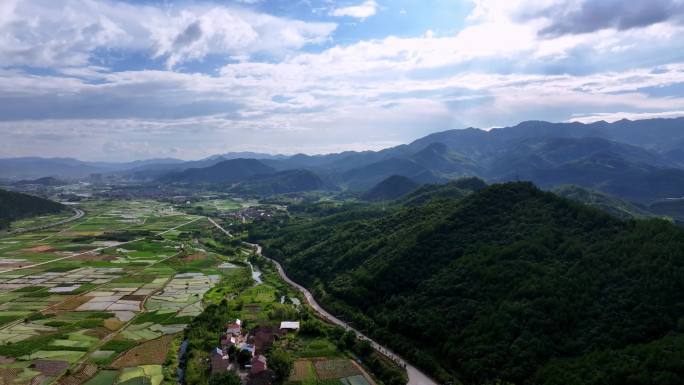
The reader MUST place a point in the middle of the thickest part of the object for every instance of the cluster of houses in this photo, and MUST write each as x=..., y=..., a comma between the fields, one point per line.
x=260, y=213
x=244, y=352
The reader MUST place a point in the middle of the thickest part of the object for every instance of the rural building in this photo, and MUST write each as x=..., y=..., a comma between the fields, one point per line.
x=220, y=361
x=234, y=328
x=287, y=326
x=263, y=337
x=247, y=347
x=258, y=365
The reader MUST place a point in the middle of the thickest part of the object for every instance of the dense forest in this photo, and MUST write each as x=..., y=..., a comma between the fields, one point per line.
x=508, y=283
x=15, y=206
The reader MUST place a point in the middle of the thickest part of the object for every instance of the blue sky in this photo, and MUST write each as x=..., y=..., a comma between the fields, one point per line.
x=122, y=80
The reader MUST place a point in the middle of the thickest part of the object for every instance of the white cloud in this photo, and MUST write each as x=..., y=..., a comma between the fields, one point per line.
x=46, y=33
x=495, y=71
x=615, y=116
x=362, y=11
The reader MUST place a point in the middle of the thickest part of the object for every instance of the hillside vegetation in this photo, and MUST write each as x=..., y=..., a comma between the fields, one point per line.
x=605, y=202
x=508, y=283
x=391, y=188
x=15, y=206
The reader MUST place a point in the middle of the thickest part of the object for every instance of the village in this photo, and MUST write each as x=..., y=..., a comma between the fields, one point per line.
x=244, y=352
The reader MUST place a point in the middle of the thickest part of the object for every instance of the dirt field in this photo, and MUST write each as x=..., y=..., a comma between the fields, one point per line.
x=82, y=374
x=149, y=353
x=73, y=303
x=302, y=371
x=113, y=323
x=38, y=249
x=335, y=368
x=50, y=367
x=98, y=332
x=8, y=375
x=134, y=297
x=193, y=257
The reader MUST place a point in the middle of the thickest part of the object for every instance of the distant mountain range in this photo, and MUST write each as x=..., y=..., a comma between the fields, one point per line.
x=640, y=161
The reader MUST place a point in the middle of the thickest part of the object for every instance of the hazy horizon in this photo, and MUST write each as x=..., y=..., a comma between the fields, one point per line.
x=281, y=154
x=123, y=80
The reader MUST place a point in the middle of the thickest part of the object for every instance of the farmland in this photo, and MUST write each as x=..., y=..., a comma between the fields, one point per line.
x=107, y=298
x=89, y=300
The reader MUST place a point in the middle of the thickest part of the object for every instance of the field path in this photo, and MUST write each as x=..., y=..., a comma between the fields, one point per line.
x=415, y=375
x=220, y=228
x=97, y=249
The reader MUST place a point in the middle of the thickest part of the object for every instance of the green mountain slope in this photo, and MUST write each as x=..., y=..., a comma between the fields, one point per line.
x=455, y=189
x=15, y=206
x=227, y=171
x=604, y=202
x=391, y=188
x=280, y=183
x=671, y=207
x=508, y=283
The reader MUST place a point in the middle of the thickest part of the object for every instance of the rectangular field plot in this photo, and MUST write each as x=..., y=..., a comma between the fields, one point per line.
x=182, y=295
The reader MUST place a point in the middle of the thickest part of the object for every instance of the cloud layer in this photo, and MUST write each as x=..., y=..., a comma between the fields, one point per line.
x=113, y=80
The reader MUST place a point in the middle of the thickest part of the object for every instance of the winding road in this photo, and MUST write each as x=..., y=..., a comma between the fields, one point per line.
x=415, y=375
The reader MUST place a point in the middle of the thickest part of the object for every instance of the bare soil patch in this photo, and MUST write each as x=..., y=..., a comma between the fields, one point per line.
x=39, y=249
x=113, y=324
x=335, y=368
x=99, y=332
x=134, y=297
x=148, y=353
x=50, y=367
x=73, y=303
x=301, y=370
x=79, y=376
x=9, y=375
x=6, y=360
x=193, y=257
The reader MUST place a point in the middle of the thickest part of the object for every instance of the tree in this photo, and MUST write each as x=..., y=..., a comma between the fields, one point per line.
x=280, y=362
x=244, y=357
x=225, y=378
x=363, y=348
x=347, y=340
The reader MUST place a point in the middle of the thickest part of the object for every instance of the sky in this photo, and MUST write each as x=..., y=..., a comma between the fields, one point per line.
x=124, y=80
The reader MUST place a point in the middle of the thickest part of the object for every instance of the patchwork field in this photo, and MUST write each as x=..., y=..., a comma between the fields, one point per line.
x=106, y=299
x=99, y=299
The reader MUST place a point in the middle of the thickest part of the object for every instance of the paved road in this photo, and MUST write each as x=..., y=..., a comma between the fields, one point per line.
x=78, y=213
x=416, y=377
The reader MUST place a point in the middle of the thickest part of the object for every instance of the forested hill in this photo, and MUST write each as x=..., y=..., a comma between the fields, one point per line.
x=15, y=206
x=509, y=283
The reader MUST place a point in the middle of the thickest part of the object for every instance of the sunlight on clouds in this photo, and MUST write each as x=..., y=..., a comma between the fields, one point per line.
x=281, y=84
x=364, y=10
x=615, y=116
x=32, y=32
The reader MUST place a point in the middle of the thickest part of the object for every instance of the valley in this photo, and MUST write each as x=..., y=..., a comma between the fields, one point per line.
x=423, y=264
x=110, y=297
